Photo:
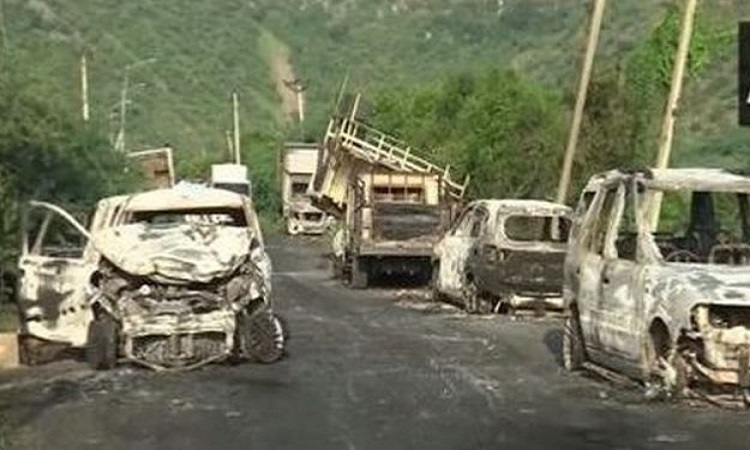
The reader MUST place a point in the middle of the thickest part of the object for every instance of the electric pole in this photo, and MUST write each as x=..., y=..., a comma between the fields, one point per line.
x=84, y=89
x=236, y=115
x=298, y=87
x=575, y=128
x=120, y=143
x=666, y=136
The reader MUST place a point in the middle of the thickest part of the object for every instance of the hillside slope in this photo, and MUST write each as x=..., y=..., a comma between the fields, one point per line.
x=204, y=50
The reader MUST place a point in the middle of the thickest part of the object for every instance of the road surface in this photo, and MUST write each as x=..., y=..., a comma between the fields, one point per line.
x=376, y=369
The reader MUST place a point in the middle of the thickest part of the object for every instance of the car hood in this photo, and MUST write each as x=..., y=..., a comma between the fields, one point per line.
x=183, y=253
x=703, y=283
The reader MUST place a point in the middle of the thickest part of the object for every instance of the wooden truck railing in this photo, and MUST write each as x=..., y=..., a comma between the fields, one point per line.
x=377, y=148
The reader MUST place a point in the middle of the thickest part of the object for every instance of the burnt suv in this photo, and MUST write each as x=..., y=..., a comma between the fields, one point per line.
x=170, y=279
x=501, y=255
x=656, y=280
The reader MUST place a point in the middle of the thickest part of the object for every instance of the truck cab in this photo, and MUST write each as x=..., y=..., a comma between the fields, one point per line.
x=231, y=177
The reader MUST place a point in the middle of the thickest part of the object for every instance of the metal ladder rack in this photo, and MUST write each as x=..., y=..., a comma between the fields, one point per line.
x=376, y=147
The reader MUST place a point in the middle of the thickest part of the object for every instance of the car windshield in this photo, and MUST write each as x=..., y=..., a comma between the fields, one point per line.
x=232, y=217
x=704, y=227
x=537, y=228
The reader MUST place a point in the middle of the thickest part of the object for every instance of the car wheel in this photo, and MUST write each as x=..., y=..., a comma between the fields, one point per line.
x=101, y=342
x=471, y=296
x=573, y=349
x=667, y=371
x=360, y=273
x=264, y=336
x=337, y=267
x=435, y=293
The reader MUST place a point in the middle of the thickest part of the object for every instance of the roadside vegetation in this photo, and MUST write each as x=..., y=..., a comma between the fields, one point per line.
x=484, y=86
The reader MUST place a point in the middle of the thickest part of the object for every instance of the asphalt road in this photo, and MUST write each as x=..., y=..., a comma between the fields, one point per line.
x=376, y=369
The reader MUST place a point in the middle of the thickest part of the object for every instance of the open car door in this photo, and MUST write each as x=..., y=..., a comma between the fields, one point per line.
x=56, y=264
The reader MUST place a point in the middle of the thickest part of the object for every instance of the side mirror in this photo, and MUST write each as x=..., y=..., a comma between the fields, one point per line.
x=254, y=244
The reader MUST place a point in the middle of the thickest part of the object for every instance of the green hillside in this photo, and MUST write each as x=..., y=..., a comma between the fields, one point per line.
x=203, y=50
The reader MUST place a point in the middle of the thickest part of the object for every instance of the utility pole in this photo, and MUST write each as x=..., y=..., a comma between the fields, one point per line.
x=575, y=128
x=666, y=136
x=236, y=115
x=230, y=146
x=84, y=89
x=298, y=87
x=120, y=143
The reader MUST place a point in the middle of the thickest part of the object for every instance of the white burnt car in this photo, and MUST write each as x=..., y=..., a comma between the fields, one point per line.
x=170, y=278
x=503, y=255
x=662, y=299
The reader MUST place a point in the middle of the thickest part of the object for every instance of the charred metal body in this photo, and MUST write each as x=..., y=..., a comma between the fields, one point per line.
x=173, y=278
x=504, y=255
x=669, y=302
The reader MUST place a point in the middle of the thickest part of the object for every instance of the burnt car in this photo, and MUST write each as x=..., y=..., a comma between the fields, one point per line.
x=656, y=280
x=170, y=278
x=503, y=254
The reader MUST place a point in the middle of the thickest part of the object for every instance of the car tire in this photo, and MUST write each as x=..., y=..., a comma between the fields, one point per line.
x=101, y=342
x=263, y=335
x=471, y=296
x=573, y=349
x=337, y=267
x=668, y=371
x=360, y=274
x=435, y=294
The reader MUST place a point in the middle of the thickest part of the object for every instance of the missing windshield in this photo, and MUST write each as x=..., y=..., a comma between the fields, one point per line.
x=704, y=227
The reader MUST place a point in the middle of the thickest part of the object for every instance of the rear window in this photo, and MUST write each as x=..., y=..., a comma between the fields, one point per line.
x=537, y=228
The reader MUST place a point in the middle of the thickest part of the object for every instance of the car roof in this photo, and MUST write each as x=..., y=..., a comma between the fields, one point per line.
x=184, y=196
x=523, y=205
x=709, y=179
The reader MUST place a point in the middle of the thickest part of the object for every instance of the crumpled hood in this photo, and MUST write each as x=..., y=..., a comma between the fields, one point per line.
x=705, y=283
x=182, y=253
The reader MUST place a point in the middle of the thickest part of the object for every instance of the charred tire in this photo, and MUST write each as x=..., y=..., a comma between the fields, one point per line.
x=472, y=299
x=337, y=268
x=101, y=342
x=667, y=369
x=573, y=349
x=435, y=293
x=360, y=274
x=264, y=336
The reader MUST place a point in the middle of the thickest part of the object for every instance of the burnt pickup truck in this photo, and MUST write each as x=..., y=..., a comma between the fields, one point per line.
x=503, y=255
x=656, y=281
x=391, y=224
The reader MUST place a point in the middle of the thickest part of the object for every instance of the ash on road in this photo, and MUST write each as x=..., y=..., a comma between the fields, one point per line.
x=366, y=370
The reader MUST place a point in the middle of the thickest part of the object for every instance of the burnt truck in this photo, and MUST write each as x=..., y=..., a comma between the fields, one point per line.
x=298, y=162
x=390, y=226
x=392, y=204
x=170, y=279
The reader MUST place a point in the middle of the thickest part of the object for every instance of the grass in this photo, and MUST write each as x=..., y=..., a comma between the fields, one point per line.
x=204, y=50
x=8, y=318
